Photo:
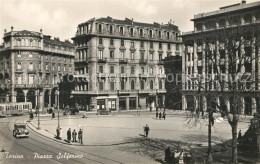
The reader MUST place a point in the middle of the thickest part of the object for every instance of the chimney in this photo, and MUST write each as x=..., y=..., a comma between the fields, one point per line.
x=12, y=28
x=243, y=1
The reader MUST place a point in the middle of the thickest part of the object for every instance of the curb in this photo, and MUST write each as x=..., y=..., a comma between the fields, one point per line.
x=60, y=141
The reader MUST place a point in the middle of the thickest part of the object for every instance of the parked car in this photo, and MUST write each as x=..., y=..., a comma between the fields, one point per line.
x=103, y=111
x=20, y=130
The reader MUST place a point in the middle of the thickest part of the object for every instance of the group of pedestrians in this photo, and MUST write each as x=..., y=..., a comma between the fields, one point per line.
x=160, y=115
x=74, y=136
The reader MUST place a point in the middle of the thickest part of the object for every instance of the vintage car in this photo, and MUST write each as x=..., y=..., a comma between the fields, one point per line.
x=103, y=111
x=20, y=130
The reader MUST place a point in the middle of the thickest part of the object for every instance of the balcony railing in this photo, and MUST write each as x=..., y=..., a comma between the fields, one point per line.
x=123, y=61
x=143, y=61
x=103, y=60
x=31, y=71
x=161, y=62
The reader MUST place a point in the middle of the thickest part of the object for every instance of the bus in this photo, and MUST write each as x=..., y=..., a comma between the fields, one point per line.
x=15, y=108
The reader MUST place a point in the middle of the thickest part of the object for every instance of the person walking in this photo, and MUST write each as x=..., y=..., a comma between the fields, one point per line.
x=80, y=135
x=160, y=115
x=146, y=130
x=58, y=133
x=156, y=114
x=164, y=115
x=167, y=157
x=74, y=135
x=53, y=115
x=69, y=135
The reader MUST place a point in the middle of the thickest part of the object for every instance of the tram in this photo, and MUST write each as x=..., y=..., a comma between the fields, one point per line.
x=15, y=108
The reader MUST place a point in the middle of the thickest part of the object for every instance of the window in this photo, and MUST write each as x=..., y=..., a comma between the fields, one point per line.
x=101, y=86
x=19, y=79
x=59, y=68
x=141, y=32
x=160, y=57
x=31, y=79
x=132, y=102
x=169, y=46
x=121, y=30
x=100, y=28
x=122, y=85
x=132, y=56
x=112, y=69
x=111, y=29
x=151, y=45
x=18, y=55
x=150, y=33
x=122, y=43
x=132, y=85
x=19, y=65
x=168, y=35
x=64, y=68
x=222, y=54
x=100, y=69
x=132, y=44
x=122, y=69
x=111, y=54
x=40, y=65
x=112, y=86
x=46, y=67
x=30, y=56
x=151, y=56
x=53, y=67
x=100, y=54
x=132, y=31
x=160, y=70
x=160, y=45
x=111, y=42
x=177, y=47
x=142, y=44
x=142, y=85
x=122, y=54
x=31, y=65
x=142, y=70
x=200, y=70
x=160, y=34
x=151, y=70
x=132, y=70
x=160, y=84
x=151, y=84
x=199, y=55
x=100, y=41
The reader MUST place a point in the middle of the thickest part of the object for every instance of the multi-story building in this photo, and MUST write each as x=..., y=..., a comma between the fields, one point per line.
x=240, y=17
x=31, y=65
x=119, y=63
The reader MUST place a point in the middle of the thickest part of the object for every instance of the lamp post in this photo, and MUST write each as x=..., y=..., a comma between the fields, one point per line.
x=58, y=106
x=38, y=108
x=137, y=111
x=118, y=99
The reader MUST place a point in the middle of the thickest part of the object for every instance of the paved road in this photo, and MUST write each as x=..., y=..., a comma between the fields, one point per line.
x=28, y=147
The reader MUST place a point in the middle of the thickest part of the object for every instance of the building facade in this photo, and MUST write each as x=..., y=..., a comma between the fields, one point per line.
x=119, y=63
x=241, y=17
x=31, y=66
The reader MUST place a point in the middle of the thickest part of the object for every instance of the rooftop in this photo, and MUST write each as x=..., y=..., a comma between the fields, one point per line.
x=227, y=9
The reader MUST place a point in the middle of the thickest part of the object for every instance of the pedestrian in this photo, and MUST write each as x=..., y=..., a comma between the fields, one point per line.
x=164, y=115
x=146, y=130
x=69, y=135
x=74, y=135
x=53, y=114
x=167, y=156
x=160, y=115
x=80, y=135
x=156, y=114
x=58, y=133
x=239, y=138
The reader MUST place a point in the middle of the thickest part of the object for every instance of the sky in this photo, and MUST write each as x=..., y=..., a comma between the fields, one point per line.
x=60, y=18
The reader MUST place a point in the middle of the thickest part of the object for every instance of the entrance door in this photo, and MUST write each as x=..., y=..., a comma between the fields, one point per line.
x=101, y=104
x=122, y=104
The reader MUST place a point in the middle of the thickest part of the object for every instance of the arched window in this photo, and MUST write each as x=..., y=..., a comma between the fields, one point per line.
x=160, y=70
x=132, y=85
x=100, y=41
x=122, y=69
x=199, y=27
x=234, y=20
x=111, y=42
x=222, y=23
x=142, y=70
x=248, y=18
x=101, y=69
x=100, y=28
x=122, y=85
x=210, y=25
x=151, y=84
x=160, y=84
x=132, y=70
x=151, y=70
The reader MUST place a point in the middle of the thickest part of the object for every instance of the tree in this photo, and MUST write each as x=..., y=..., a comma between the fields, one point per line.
x=230, y=64
x=65, y=87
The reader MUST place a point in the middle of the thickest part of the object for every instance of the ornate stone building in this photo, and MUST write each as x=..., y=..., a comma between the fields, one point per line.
x=239, y=16
x=120, y=63
x=31, y=66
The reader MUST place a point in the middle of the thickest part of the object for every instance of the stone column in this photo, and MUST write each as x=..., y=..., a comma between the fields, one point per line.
x=127, y=103
x=253, y=105
x=228, y=105
x=14, y=94
x=49, y=98
x=242, y=105
x=184, y=102
x=218, y=63
x=204, y=103
x=184, y=68
x=218, y=103
x=36, y=98
x=253, y=65
x=203, y=64
x=25, y=95
x=196, y=103
x=41, y=100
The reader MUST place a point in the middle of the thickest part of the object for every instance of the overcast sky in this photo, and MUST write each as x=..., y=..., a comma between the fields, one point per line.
x=60, y=18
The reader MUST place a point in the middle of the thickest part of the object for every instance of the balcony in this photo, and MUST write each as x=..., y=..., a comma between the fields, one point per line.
x=123, y=61
x=31, y=71
x=104, y=60
x=160, y=62
x=19, y=71
x=143, y=61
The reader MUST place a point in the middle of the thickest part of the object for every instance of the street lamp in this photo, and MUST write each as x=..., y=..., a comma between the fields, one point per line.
x=38, y=108
x=118, y=99
x=58, y=105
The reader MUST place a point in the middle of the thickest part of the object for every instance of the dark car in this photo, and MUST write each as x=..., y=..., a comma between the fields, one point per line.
x=71, y=111
x=20, y=130
x=103, y=111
